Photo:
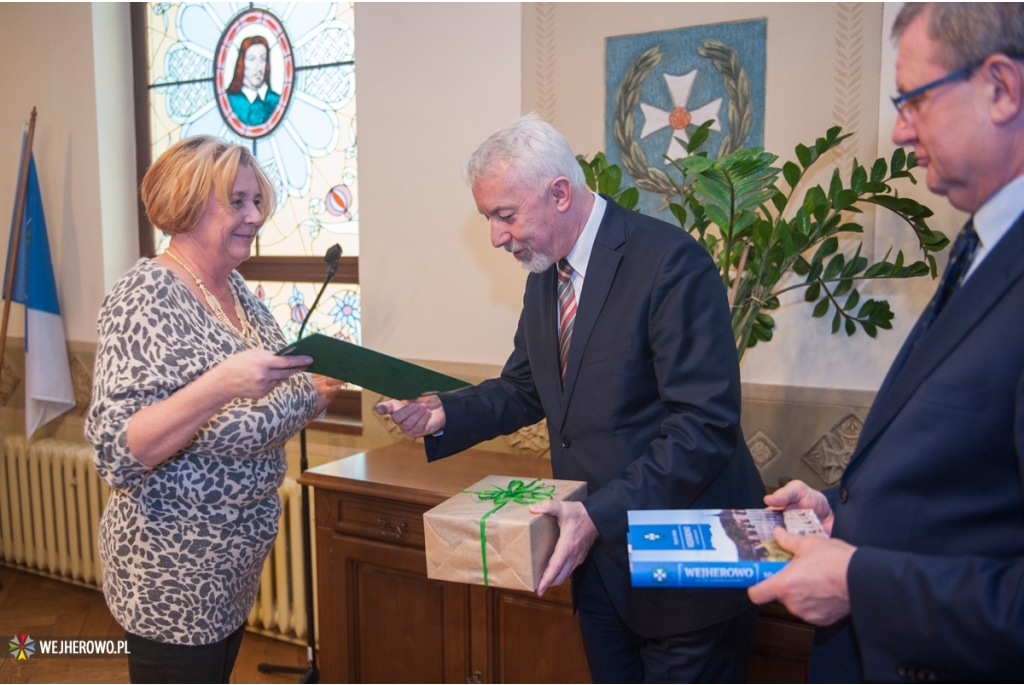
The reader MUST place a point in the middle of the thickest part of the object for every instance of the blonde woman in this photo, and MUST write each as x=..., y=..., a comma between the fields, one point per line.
x=190, y=413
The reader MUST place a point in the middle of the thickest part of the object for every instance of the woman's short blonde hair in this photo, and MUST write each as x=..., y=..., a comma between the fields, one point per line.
x=177, y=187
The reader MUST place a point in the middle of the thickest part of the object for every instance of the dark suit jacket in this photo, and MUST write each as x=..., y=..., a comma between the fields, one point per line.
x=650, y=413
x=933, y=498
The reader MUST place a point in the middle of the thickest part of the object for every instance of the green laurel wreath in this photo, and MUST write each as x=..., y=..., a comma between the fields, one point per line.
x=740, y=113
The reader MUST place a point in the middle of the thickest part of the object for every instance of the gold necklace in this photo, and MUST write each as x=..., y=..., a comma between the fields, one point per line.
x=248, y=334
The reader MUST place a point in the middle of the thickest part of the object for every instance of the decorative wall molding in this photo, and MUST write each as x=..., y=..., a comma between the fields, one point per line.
x=545, y=23
x=829, y=456
x=532, y=440
x=763, y=450
x=849, y=51
x=81, y=383
x=9, y=379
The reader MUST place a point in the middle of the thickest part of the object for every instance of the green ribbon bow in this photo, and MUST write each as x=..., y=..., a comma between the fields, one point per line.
x=518, y=492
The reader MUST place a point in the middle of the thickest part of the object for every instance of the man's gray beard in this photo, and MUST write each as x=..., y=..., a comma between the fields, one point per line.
x=538, y=263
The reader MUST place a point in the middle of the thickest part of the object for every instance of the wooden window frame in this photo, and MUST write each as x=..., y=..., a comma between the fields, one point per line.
x=344, y=414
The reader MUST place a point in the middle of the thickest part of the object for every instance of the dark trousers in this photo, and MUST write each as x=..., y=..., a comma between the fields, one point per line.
x=159, y=662
x=719, y=653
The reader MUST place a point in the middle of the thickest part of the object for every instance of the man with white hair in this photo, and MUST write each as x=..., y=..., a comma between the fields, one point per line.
x=923, y=577
x=625, y=347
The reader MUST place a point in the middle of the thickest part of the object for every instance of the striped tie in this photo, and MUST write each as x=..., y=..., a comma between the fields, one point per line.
x=566, y=312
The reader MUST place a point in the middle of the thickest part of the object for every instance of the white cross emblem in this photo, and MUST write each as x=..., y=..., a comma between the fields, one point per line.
x=652, y=536
x=660, y=575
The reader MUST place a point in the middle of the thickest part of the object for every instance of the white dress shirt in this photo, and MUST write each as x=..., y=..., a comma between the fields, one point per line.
x=580, y=255
x=995, y=218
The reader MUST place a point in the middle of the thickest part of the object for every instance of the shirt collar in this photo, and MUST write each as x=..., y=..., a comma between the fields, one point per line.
x=251, y=94
x=580, y=255
x=999, y=213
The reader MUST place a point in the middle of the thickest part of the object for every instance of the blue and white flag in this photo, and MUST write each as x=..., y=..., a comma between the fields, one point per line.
x=48, y=389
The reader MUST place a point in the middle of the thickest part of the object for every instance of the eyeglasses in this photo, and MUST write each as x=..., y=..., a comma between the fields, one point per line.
x=902, y=102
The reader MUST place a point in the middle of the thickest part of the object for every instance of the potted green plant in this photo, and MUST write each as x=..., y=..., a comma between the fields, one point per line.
x=758, y=234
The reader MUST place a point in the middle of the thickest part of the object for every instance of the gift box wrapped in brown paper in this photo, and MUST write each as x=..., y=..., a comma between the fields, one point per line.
x=516, y=545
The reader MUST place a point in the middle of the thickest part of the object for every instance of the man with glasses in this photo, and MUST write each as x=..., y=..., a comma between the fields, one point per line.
x=923, y=577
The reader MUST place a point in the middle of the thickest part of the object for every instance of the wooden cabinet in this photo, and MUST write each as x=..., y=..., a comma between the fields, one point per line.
x=382, y=620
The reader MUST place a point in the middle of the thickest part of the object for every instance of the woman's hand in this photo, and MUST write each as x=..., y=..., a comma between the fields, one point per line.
x=254, y=373
x=327, y=389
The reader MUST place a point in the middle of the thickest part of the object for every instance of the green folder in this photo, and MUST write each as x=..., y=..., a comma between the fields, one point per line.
x=374, y=371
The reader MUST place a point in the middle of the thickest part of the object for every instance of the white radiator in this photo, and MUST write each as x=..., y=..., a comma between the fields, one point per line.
x=280, y=608
x=51, y=499
x=50, y=505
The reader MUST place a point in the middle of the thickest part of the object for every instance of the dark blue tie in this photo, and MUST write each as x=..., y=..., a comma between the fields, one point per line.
x=960, y=258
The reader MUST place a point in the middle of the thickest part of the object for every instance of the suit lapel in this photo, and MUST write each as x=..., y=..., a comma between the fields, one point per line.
x=604, y=262
x=1003, y=267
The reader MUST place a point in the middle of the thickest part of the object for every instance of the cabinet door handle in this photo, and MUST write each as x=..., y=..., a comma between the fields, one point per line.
x=395, y=531
x=475, y=678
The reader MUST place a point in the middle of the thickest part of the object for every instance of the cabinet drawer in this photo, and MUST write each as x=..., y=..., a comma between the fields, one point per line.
x=379, y=519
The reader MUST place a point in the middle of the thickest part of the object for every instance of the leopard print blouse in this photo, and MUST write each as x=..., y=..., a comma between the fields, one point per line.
x=182, y=544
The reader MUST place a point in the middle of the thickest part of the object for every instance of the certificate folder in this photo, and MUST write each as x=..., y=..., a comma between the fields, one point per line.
x=374, y=371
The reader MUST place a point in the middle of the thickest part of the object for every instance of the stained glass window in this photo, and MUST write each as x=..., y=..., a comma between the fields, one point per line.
x=280, y=79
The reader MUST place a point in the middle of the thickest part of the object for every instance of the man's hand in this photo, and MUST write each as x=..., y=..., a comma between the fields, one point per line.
x=422, y=416
x=577, y=534
x=813, y=584
x=796, y=494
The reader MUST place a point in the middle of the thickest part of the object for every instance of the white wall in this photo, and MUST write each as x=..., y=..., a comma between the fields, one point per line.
x=803, y=352
x=115, y=117
x=49, y=51
x=434, y=81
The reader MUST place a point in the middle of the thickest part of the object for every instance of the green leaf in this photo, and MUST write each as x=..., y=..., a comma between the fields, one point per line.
x=816, y=269
x=878, y=170
x=791, y=172
x=835, y=187
x=836, y=321
x=801, y=267
x=845, y=199
x=869, y=328
x=803, y=153
x=851, y=327
x=827, y=248
x=588, y=172
x=609, y=179
x=813, y=292
x=718, y=217
x=629, y=197
x=852, y=300
x=821, y=308
x=835, y=265
x=899, y=158
x=858, y=178
x=699, y=136
x=678, y=212
x=779, y=200
x=843, y=288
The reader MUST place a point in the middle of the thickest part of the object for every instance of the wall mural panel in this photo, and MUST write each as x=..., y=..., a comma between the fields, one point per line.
x=659, y=86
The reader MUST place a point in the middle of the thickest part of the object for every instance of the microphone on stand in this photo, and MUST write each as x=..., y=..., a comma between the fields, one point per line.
x=310, y=674
x=333, y=257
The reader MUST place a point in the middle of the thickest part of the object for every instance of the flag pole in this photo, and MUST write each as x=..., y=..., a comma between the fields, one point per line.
x=19, y=213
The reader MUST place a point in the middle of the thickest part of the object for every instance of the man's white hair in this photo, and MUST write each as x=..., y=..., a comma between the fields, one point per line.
x=532, y=149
